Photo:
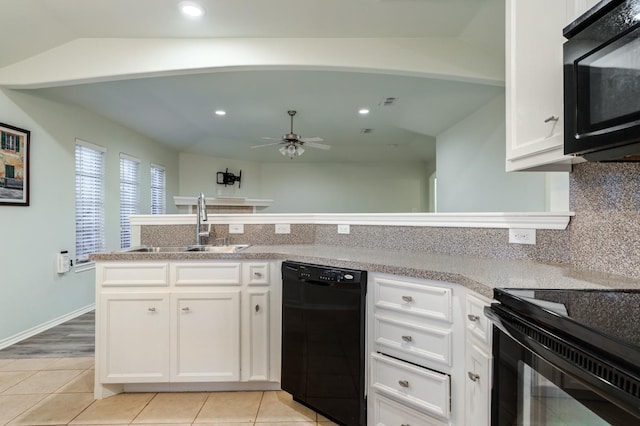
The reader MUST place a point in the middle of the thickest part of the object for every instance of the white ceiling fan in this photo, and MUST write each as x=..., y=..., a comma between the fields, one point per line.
x=293, y=143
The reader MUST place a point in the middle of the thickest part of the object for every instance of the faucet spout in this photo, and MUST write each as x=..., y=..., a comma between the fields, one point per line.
x=202, y=217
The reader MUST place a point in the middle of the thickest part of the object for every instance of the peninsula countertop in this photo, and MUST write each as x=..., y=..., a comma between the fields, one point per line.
x=479, y=274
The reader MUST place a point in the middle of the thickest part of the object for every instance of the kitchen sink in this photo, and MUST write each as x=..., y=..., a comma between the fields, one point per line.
x=152, y=249
x=231, y=248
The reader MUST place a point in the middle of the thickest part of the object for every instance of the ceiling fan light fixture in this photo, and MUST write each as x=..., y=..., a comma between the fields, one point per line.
x=191, y=9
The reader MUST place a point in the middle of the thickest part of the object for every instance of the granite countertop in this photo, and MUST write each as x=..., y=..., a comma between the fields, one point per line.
x=481, y=275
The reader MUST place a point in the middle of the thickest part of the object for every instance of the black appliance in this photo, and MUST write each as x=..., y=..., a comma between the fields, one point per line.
x=602, y=83
x=565, y=357
x=323, y=340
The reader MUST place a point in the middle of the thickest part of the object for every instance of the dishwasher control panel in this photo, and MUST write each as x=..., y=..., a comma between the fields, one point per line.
x=324, y=273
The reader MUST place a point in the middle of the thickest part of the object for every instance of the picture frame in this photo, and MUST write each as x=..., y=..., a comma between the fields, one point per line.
x=14, y=165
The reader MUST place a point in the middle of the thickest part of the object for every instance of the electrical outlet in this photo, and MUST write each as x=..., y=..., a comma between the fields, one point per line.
x=283, y=228
x=522, y=236
x=236, y=228
x=344, y=229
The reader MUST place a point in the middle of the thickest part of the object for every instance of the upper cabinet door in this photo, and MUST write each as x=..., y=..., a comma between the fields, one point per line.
x=534, y=106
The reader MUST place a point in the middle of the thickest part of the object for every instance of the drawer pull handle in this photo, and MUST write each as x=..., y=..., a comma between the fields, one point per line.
x=473, y=376
x=403, y=383
x=407, y=338
x=407, y=298
x=552, y=118
x=257, y=308
x=185, y=309
x=151, y=309
x=473, y=318
x=405, y=424
x=257, y=274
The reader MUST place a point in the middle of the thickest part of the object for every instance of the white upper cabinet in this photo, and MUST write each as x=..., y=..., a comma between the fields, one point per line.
x=534, y=92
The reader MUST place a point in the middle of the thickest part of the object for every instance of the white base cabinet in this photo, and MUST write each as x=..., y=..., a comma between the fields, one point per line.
x=184, y=322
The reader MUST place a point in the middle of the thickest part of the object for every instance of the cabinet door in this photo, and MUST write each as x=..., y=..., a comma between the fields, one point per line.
x=255, y=332
x=478, y=386
x=534, y=104
x=205, y=337
x=134, y=336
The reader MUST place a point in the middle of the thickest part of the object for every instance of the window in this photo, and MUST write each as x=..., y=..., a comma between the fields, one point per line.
x=128, y=196
x=10, y=141
x=89, y=200
x=158, y=190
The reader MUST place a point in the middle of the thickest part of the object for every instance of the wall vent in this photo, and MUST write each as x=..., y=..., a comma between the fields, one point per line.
x=366, y=131
x=390, y=101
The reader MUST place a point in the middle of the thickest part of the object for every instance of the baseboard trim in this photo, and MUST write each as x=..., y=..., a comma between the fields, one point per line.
x=12, y=340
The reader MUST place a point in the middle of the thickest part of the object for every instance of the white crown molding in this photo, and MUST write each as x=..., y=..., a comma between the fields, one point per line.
x=551, y=220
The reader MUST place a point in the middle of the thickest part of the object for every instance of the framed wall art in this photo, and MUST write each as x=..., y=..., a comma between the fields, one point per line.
x=14, y=165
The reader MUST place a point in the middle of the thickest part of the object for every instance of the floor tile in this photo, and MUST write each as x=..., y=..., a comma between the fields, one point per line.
x=56, y=409
x=322, y=420
x=4, y=362
x=230, y=407
x=28, y=364
x=226, y=424
x=118, y=409
x=172, y=408
x=279, y=406
x=12, y=378
x=43, y=382
x=290, y=423
x=81, y=383
x=14, y=405
x=79, y=363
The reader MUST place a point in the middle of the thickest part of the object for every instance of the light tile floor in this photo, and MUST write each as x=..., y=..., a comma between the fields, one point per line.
x=59, y=391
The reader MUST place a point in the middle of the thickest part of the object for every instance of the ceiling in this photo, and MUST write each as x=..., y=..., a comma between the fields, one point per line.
x=178, y=110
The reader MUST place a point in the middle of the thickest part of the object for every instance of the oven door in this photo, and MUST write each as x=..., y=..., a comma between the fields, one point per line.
x=529, y=388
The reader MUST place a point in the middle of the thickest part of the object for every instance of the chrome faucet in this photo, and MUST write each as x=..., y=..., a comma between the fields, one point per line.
x=202, y=217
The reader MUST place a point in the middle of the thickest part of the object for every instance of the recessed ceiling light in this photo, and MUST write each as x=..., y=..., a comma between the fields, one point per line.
x=191, y=9
x=221, y=112
x=363, y=111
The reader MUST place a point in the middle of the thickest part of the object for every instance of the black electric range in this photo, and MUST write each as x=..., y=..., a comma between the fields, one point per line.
x=589, y=335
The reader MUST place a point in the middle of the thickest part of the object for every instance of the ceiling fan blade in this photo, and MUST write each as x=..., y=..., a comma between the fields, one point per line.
x=266, y=144
x=313, y=139
x=317, y=145
x=271, y=139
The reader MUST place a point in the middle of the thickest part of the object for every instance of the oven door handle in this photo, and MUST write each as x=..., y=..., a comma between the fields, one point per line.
x=492, y=312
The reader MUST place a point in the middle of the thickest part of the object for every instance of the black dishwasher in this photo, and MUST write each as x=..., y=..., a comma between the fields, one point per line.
x=323, y=339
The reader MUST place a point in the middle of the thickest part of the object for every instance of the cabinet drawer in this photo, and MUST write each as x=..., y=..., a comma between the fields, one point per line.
x=206, y=273
x=416, y=341
x=256, y=273
x=390, y=413
x=421, y=300
x=133, y=274
x=424, y=390
x=478, y=325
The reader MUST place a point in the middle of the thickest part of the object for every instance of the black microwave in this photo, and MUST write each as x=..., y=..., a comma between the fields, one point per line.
x=602, y=83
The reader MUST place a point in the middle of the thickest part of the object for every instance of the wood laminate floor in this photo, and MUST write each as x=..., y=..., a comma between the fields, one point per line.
x=74, y=338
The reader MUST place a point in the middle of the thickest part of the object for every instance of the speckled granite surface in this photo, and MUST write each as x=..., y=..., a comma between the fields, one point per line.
x=481, y=275
x=604, y=235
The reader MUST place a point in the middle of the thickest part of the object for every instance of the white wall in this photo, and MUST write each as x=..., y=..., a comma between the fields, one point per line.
x=346, y=187
x=198, y=174
x=299, y=187
x=31, y=292
x=470, y=168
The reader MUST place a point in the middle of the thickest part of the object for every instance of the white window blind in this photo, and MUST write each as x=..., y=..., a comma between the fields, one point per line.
x=129, y=168
x=158, y=190
x=89, y=200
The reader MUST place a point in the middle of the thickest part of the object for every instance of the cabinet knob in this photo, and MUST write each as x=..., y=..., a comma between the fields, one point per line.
x=552, y=118
x=407, y=338
x=473, y=376
x=473, y=318
x=403, y=383
x=257, y=308
x=407, y=298
x=185, y=309
x=151, y=309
